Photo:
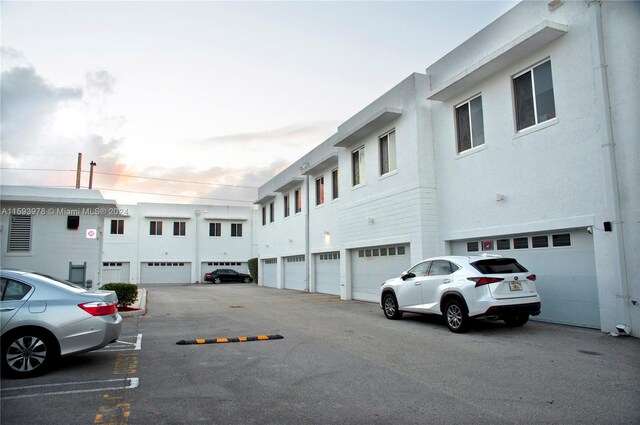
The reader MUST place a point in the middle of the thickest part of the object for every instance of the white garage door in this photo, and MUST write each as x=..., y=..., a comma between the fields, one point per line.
x=371, y=266
x=328, y=273
x=270, y=273
x=295, y=272
x=115, y=272
x=564, y=263
x=165, y=273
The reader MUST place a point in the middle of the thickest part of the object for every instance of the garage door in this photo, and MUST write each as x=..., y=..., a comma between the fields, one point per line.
x=295, y=272
x=165, y=273
x=270, y=273
x=115, y=272
x=328, y=273
x=373, y=265
x=564, y=263
x=209, y=266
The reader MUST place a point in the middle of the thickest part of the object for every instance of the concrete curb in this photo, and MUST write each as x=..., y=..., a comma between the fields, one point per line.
x=140, y=304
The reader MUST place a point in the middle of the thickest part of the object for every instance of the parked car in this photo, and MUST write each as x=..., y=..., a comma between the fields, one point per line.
x=227, y=275
x=462, y=289
x=44, y=318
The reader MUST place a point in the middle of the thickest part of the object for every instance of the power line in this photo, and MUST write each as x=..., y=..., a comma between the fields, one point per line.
x=133, y=176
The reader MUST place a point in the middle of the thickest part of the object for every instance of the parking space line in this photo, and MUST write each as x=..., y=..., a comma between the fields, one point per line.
x=133, y=382
x=120, y=345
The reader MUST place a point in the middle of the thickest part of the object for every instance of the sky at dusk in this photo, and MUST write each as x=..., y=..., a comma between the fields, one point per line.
x=208, y=100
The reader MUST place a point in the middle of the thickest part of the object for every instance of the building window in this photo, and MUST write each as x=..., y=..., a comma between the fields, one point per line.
x=520, y=243
x=563, y=239
x=117, y=227
x=503, y=243
x=179, y=228
x=20, y=234
x=215, y=229
x=264, y=216
x=320, y=191
x=357, y=166
x=533, y=93
x=540, y=241
x=469, y=124
x=298, y=196
x=472, y=246
x=155, y=228
x=388, y=152
x=334, y=184
x=236, y=230
x=487, y=245
x=286, y=205
x=271, y=213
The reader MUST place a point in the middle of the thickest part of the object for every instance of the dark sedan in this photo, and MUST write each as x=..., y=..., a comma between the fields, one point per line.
x=227, y=275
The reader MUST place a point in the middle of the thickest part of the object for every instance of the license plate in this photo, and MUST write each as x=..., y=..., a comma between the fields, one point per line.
x=515, y=286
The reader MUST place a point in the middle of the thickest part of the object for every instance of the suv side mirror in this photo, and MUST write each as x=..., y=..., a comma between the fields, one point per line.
x=407, y=275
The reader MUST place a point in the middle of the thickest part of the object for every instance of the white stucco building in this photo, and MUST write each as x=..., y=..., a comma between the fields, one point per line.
x=53, y=231
x=176, y=243
x=522, y=141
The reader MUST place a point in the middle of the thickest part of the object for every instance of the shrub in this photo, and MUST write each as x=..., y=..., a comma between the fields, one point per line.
x=126, y=292
x=253, y=269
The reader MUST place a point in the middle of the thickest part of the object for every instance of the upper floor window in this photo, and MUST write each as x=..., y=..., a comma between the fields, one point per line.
x=320, y=191
x=117, y=227
x=155, y=228
x=286, y=205
x=19, y=234
x=264, y=216
x=357, y=166
x=215, y=229
x=179, y=228
x=533, y=93
x=469, y=124
x=298, y=196
x=334, y=184
x=388, y=152
x=236, y=230
x=271, y=213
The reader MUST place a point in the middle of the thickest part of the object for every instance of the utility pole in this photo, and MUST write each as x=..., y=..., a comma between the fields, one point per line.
x=93, y=164
x=79, y=170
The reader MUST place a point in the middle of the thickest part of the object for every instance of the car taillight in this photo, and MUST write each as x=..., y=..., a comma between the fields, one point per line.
x=485, y=280
x=99, y=308
x=532, y=277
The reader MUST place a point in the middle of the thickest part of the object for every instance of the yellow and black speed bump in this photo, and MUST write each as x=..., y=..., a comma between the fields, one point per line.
x=227, y=340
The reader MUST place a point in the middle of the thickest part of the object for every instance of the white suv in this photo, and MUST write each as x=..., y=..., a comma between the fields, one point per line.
x=464, y=288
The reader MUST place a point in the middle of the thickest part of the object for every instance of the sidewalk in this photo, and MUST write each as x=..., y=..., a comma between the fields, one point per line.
x=140, y=304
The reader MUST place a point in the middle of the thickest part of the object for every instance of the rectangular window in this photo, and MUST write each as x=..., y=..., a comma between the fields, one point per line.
x=215, y=229
x=20, y=234
x=117, y=227
x=271, y=213
x=155, y=228
x=298, y=196
x=286, y=205
x=540, y=241
x=179, y=228
x=487, y=245
x=264, y=216
x=236, y=230
x=357, y=166
x=469, y=124
x=503, y=244
x=520, y=243
x=561, y=240
x=388, y=152
x=334, y=184
x=320, y=191
x=472, y=246
x=533, y=94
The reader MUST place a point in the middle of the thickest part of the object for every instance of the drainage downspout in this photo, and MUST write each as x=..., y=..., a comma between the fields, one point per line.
x=306, y=234
x=610, y=175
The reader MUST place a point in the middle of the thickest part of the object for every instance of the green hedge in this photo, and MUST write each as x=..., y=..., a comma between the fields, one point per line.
x=127, y=292
x=253, y=269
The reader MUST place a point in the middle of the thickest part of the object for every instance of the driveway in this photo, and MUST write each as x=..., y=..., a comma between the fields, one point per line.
x=339, y=362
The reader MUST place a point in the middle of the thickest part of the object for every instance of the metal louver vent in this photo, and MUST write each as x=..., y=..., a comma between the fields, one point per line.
x=20, y=234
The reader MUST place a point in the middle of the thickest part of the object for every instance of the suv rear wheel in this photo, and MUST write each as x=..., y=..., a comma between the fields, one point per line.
x=456, y=316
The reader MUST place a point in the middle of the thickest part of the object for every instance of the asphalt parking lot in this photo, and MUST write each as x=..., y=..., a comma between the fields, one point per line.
x=338, y=362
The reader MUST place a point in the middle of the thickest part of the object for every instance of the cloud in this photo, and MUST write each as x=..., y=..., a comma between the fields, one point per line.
x=101, y=81
x=292, y=135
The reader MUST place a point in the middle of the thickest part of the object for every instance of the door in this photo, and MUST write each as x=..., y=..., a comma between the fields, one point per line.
x=435, y=283
x=409, y=292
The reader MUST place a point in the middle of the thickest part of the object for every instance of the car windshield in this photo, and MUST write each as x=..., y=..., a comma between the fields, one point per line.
x=499, y=266
x=61, y=283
